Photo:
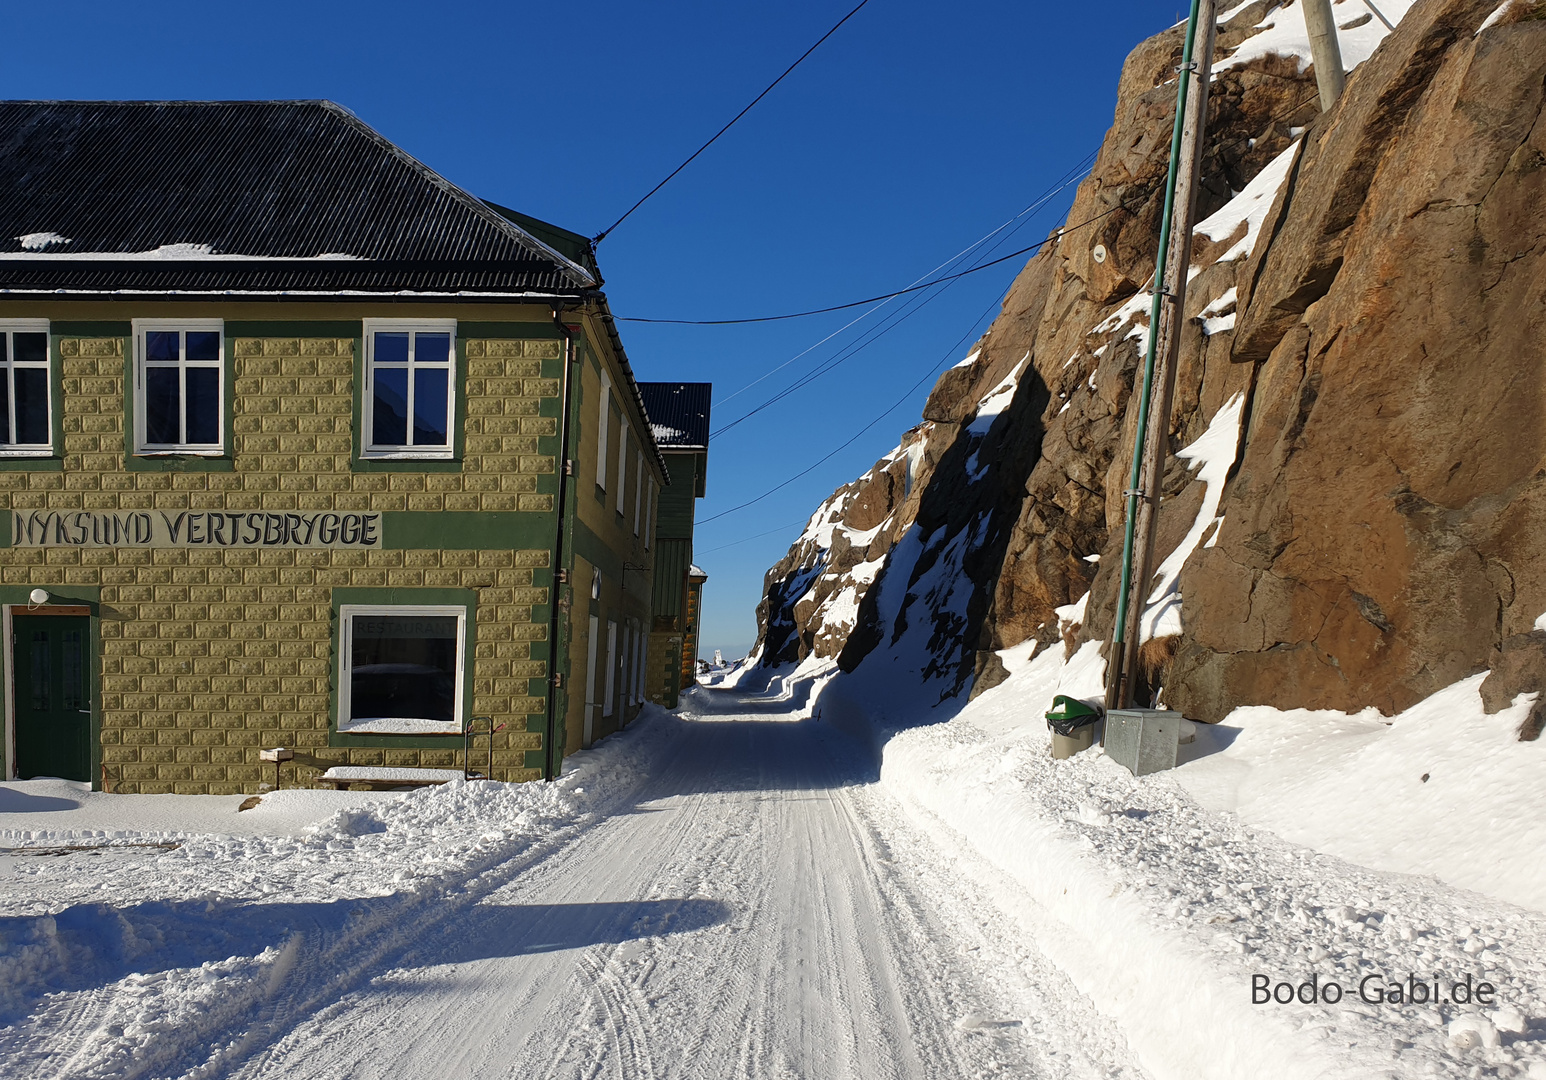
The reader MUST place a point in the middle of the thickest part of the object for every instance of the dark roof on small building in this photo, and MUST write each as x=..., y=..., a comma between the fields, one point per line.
x=253, y=197
x=679, y=414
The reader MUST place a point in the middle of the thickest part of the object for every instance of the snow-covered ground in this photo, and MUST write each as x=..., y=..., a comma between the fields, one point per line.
x=1357, y=849
x=783, y=882
x=726, y=894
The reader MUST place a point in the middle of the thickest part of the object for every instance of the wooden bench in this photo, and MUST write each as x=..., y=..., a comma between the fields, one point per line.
x=373, y=776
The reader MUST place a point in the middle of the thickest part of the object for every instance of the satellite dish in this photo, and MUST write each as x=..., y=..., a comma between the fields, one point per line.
x=1098, y=253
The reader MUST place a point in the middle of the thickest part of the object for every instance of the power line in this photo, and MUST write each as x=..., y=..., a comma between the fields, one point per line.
x=843, y=307
x=602, y=235
x=951, y=277
x=1057, y=236
x=748, y=539
x=1077, y=172
x=895, y=319
x=893, y=408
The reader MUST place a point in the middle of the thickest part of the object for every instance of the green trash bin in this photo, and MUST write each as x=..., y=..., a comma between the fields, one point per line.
x=1073, y=726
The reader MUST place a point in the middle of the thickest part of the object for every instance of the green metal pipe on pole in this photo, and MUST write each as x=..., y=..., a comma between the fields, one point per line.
x=1115, y=668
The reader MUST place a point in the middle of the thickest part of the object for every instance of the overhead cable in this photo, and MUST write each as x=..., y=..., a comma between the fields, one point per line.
x=1076, y=173
x=891, y=409
x=870, y=336
x=604, y=233
x=1060, y=233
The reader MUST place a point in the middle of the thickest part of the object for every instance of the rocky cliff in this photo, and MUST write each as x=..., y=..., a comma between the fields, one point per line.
x=1357, y=514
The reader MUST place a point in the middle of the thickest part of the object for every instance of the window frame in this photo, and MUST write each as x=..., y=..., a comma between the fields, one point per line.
x=11, y=327
x=183, y=327
x=369, y=451
x=346, y=613
x=638, y=489
x=603, y=423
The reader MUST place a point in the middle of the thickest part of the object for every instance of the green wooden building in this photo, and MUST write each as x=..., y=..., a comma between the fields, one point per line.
x=679, y=416
x=302, y=445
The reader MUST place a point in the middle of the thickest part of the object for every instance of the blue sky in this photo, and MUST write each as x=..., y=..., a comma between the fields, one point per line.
x=915, y=130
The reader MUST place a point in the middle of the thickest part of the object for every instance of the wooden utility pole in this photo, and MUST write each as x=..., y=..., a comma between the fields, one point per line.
x=1156, y=440
x=1324, y=49
x=1166, y=313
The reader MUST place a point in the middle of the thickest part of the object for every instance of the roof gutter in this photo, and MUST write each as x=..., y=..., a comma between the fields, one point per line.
x=609, y=324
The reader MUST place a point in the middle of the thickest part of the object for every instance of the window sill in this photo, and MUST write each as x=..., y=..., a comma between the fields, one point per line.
x=159, y=461
x=398, y=464
x=405, y=742
x=29, y=463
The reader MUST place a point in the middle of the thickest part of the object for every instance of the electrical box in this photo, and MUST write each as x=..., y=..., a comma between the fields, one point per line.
x=1144, y=740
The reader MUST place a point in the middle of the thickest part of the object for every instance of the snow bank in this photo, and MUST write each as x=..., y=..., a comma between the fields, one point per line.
x=1162, y=904
x=175, y=949
x=1441, y=788
x=44, y=813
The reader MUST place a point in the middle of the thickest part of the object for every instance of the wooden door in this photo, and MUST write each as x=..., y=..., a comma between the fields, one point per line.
x=52, y=704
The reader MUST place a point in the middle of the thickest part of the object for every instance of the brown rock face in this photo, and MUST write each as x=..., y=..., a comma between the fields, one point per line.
x=1383, y=523
x=1378, y=542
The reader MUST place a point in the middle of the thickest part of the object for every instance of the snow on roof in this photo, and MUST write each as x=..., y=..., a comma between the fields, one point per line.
x=37, y=241
x=171, y=252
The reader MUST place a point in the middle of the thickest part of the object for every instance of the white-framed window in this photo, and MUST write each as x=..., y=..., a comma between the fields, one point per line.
x=603, y=421
x=649, y=513
x=409, y=409
x=638, y=490
x=400, y=669
x=610, y=700
x=26, y=406
x=591, y=673
x=622, y=461
x=640, y=654
x=179, y=386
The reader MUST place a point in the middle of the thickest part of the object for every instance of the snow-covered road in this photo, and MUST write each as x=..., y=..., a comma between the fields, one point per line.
x=745, y=902
x=756, y=910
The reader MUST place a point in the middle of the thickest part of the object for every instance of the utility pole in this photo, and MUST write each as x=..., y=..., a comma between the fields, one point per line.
x=1324, y=50
x=1156, y=440
x=1165, y=315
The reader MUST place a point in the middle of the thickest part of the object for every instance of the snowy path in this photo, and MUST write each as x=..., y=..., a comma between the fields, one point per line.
x=757, y=912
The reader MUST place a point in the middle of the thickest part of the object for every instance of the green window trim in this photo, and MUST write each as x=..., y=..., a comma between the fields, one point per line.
x=467, y=598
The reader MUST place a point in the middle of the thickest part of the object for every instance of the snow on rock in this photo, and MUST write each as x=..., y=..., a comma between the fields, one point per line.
x=1212, y=456
x=988, y=410
x=1496, y=17
x=1283, y=33
x=1250, y=206
x=1219, y=315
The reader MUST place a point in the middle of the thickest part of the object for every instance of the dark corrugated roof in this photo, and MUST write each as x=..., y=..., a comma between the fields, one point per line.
x=679, y=413
x=284, y=181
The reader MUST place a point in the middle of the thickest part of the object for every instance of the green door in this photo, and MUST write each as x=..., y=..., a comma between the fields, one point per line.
x=53, y=710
